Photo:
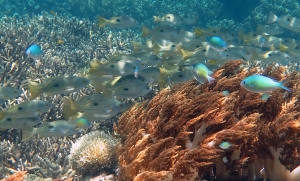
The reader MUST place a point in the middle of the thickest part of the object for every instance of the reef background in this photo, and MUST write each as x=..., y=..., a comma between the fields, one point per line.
x=75, y=22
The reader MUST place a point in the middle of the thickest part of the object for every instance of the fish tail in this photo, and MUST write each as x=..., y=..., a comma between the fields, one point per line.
x=210, y=79
x=156, y=48
x=100, y=88
x=27, y=132
x=162, y=81
x=2, y=115
x=282, y=85
x=283, y=48
x=70, y=109
x=243, y=37
x=34, y=89
x=272, y=18
x=145, y=31
x=136, y=46
x=259, y=29
x=254, y=56
x=199, y=32
x=156, y=19
x=94, y=65
x=186, y=54
x=101, y=21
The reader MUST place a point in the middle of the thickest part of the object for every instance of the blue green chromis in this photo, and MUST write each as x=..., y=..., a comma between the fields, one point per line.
x=261, y=84
x=217, y=43
x=34, y=51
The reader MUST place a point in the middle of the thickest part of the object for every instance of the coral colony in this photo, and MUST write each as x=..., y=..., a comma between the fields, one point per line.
x=125, y=94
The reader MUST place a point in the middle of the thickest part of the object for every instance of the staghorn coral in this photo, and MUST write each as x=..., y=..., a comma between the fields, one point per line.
x=93, y=152
x=176, y=136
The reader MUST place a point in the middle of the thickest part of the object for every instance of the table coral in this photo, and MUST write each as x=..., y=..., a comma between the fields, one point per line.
x=176, y=135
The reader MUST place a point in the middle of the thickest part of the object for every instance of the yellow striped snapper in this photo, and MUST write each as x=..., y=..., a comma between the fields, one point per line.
x=272, y=29
x=57, y=128
x=26, y=109
x=228, y=35
x=117, y=22
x=57, y=85
x=206, y=52
x=285, y=21
x=17, y=123
x=259, y=40
x=147, y=47
x=161, y=32
x=271, y=57
x=168, y=19
x=9, y=93
x=95, y=105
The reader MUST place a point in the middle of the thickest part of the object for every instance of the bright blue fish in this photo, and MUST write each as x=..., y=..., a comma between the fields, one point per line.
x=261, y=84
x=34, y=51
x=217, y=43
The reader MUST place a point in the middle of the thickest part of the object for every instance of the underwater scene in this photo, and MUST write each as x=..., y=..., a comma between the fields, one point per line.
x=150, y=90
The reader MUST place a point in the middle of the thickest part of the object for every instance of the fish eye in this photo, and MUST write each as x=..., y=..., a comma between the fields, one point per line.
x=269, y=54
x=168, y=17
x=296, y=47
x=288, y=19
x=50, y=126
x=20, y=108
x=121, y=105
x=8, y=119
x=33, y=120
x=254, y=34
x=214, y=31
x=133, y=67
x=95, y=103
x=84, y=81
x=197, y=46
x=244, y=82
x=56, y=85
x=126, y=89
x=15, y=92
x=203, y=50
x=47, y=105
x=180, y=75
x=148, y=88
x=118, y=20
x=173, y=45
x=162, y=31
x=112, y=66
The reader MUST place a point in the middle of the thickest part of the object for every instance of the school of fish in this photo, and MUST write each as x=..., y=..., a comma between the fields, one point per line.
x=168, y=56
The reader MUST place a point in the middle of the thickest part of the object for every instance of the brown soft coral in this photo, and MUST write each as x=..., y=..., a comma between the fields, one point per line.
x=18, y=176
x=176, y=136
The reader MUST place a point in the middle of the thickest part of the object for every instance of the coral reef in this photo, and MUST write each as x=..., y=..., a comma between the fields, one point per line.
x=93, y=152
x=176, y=135
x=68, y=45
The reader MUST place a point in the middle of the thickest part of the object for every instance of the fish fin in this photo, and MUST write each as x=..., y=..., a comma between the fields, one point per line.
x=282, y=85
x=265, y=96
x=162, y=81
x=101, y=21
x=27, y=132
x=2, y=115
x=34, y=89
x=186, y=54
x=100, y=88
x=145, y=31
x=69, y=107
x=272, y=18
x=199, y=31
x=259, y=29
x=156, y=19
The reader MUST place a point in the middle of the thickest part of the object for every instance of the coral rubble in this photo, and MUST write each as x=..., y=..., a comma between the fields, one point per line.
x=176, y=136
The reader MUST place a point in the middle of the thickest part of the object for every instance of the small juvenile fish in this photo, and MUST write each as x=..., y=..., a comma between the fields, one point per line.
x=57, y=85
x=225, y=92
x=117, y=22
x=34, y=51
x=225, y=145
x=201, y=73
x=261, y=84
x=216, y=43
x=26, y=109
